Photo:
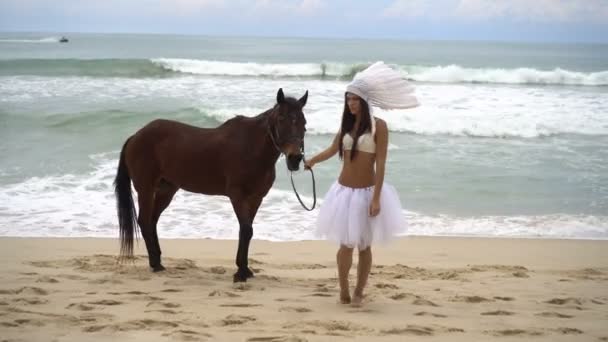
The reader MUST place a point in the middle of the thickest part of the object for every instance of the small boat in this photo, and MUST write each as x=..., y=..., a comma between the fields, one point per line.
x=63, y=40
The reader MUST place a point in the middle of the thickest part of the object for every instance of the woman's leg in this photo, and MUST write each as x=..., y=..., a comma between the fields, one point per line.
x=363, y=269
x=345, y=261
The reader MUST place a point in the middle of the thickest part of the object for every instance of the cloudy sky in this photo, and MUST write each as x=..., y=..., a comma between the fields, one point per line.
x=516, y=20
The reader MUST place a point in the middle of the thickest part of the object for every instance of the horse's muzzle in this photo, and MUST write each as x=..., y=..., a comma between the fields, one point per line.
x=293, y=161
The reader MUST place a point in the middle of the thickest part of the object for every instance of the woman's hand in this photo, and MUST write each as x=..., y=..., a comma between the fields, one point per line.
x=308, y=164
x=374, y=208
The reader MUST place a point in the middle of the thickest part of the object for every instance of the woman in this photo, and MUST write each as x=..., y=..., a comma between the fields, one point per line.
x=360, y=208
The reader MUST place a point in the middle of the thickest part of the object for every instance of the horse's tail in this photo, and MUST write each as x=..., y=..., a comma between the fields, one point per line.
x=124, y=204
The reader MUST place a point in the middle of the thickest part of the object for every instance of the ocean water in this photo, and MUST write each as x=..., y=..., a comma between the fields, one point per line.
x=511, y=140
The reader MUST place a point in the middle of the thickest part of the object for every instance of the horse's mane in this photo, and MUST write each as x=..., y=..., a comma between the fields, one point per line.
x=242, y=118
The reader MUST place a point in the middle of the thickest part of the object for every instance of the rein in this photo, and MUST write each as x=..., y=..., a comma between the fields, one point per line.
x=293, y=186
x=314, y=186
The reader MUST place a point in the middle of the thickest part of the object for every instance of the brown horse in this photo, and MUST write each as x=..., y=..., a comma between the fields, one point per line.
x=236, y=159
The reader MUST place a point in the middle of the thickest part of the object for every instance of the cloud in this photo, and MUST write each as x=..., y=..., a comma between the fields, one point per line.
x=273, y=7
x=518, y=10
x=192, y=6
x=407, y=8
x=312, y=6
x=538, y=10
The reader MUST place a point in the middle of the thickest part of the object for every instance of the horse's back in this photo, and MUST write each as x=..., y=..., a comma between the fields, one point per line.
x=185, y=155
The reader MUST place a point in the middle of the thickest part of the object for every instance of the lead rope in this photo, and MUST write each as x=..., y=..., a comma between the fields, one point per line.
x=293, y=186
x=314, y=186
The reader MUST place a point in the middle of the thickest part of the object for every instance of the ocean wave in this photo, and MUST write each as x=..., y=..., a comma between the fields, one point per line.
x=162, y=67
x=439, y=74
x=131, y=68
x=459, y=74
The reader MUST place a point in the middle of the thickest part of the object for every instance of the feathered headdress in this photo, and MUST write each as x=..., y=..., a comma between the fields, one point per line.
x=383, y=87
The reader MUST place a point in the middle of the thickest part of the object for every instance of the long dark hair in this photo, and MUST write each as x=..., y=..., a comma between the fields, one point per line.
x=348, y=121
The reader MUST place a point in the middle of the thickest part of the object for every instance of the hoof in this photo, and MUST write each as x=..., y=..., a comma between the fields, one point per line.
x=239, y=278
x=249, y=273
x=158, y=268
x=242, y=276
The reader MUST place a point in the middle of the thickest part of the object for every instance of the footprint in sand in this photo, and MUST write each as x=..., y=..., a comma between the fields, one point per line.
x=498, y=313
x=321, y=288
x=424, y=302
x=71, y=277
x=172, y=290
x=186, y=335
x=291, y=338
x=80, y=306
x=237, y=320
x=328, y=327
x=164, y=311
x=164, y=305
x=553, y=315
x=563, y=301
x=403, y=295
x=27, y=290
x=31, y=301
x=218, y=293
x=239, y=305
x=47, y=279
x=521, y=274
x=290, y=300
x=298, y=309
x=105, y=280
x=569, y=331
x=108, y=302
x=514, y=332
x=470, y=299
x=416, y=330
x=424, y=313
x=9, y=324
x=142, y=324
x=217, y=270
x=319, y=294
x=29, y=323
x=386, y=286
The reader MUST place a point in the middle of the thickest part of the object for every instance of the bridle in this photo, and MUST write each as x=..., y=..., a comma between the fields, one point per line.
x=293, y=186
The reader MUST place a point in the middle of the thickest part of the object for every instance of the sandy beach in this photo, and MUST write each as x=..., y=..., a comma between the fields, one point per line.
x=428, y=289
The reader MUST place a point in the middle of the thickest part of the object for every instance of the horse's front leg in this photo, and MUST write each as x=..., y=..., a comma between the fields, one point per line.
x=245, y=209
x=242, y=254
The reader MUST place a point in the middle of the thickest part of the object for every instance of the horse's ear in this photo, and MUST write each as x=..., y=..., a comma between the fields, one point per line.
x=303, y=99
x=280, y=96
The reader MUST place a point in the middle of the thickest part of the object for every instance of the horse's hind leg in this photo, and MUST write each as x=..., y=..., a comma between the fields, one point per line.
x=145, y=198
x=163, y=196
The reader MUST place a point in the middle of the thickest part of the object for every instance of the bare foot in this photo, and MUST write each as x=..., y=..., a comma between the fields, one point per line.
x=345, y=298
x=357, y=301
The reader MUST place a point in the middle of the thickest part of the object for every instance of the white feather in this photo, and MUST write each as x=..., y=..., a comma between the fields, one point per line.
x=383, y=87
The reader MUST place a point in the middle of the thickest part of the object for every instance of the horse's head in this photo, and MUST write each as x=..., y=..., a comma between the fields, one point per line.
x=287, y=128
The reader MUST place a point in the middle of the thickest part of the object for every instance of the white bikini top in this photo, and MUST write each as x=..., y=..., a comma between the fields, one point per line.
x=365, y=142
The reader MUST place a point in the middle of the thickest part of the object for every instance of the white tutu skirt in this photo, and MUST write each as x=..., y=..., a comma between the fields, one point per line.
x=344, y=216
